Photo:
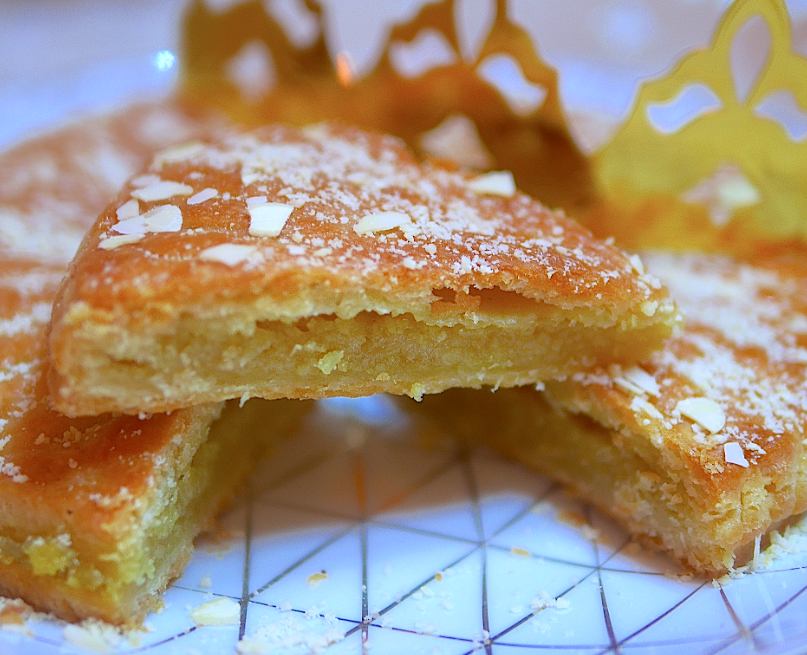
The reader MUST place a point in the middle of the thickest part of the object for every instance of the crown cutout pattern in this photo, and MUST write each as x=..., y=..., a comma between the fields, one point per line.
x=728, y=177
x=702, y=161
x=446, y=107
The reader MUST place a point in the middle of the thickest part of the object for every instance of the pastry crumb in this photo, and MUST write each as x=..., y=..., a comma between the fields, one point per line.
x=220, y=611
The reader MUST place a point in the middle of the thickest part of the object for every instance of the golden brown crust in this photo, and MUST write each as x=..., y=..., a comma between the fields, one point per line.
x=700, y=450
x=75, y=493
x=179, y=289
x=97, y=515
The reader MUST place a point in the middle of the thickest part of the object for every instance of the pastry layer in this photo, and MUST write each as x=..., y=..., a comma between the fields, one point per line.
x=700, y=449
x=97, y=515
x=327, y=261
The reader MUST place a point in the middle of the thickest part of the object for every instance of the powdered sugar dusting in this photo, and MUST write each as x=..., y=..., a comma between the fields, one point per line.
x=321, y=191
x=28, y=291
x=736, y=372
x=54, y=186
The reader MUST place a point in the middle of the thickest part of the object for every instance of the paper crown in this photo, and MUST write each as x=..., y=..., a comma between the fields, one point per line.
x=731, y=177
x=724, y=175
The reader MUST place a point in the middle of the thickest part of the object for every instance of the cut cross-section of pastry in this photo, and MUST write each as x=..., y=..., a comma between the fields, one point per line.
x=53, y=186
x=700, y=450
x=97, y=515
x=328, y=261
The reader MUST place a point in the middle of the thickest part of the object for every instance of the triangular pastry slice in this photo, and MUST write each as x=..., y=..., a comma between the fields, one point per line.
x=328, y=261
x=98, y=515
x=700, y=450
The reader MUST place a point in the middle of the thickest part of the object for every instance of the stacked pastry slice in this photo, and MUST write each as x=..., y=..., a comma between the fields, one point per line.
x=699, y=450
x=282, y=263
x=328, y=261
x=97, y=515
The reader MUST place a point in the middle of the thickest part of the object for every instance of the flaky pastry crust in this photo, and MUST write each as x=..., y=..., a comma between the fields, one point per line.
x=327, y=261
x=700, y=450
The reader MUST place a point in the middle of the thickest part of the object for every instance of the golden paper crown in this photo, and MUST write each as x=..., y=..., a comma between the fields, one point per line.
x=731, y=178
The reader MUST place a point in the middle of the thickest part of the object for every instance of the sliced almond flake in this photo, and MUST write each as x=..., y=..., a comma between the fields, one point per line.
x=181, y=152
x=165, y=218
x=704, y=411
x=203, y=196
x=230, y=254
x=162, y=190
x=723, y=193
x=146, y=180
x=221, y=611
x=110, y=243
x=129, y=209
x=268, y=219
x=381, y=222
x=134, y=226
x=457, y=139
x=627, y=385
x=640, y=404
x=249, y=177
x=495, y=183
x=642, y=379
x=734, y=454
x=256, y=200
x=756, y=448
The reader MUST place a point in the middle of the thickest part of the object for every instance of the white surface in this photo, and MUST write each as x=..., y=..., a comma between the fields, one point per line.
x=381, y=516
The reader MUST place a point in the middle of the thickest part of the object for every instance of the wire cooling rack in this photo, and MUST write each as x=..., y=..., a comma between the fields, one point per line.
x=353, y=538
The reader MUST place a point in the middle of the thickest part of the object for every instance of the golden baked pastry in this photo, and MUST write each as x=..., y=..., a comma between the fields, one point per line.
x=327, y=261
x=700, y=450
x=52, y=187
x=97, y=515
